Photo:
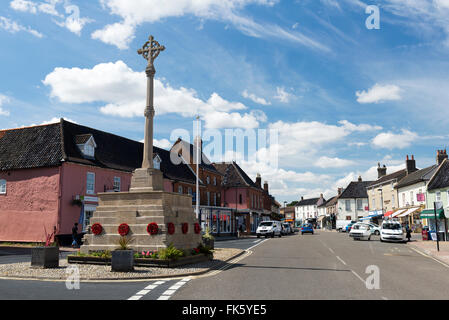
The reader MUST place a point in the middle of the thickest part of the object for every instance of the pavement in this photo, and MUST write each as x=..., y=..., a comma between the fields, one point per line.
x=430, y=248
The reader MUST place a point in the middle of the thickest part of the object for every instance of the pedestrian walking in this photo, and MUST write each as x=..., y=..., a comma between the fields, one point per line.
x=75, y=235
x=408, y=232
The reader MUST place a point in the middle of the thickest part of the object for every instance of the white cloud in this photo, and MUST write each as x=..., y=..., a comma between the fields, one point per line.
x=73, y=22
x=140, y=11
x=13, y=27
x=163, y=144
x=117, y=34
x=23, y=5
x=3, y=100
x=124, y=92
x=379, y=93
x=391, y=140
x=255, y=98
x=326, y=162
x=282, y=95
x=361, y=127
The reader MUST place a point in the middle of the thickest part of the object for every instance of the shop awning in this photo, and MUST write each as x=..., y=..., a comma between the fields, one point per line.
x=320, y=218
x=389, y=213
x=371, y=216
x=398, y=212
x=430, y=214
x=409, y=211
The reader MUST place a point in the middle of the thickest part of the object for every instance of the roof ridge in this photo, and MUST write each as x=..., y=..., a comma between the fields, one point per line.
x=29, y=127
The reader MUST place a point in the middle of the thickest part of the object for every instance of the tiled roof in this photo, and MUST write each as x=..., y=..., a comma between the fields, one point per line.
x=417, y=176
x=398, y=175
x=308, y=202
x=31, y=147
x=441, y=177
x=205, y=162
x=356, y=189
x=234, y=176
x=82, y=138
x=48, y=145
x=332, y=201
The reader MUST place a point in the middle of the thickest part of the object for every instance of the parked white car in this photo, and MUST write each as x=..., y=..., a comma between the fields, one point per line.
x=360, y=231
x=391, y=231
x=375, y=229
x=269, y=229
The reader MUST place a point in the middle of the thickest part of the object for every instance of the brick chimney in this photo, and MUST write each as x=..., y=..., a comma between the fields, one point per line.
x=302, y=198
x=265, y=186
x=259, y=181
x=410, y=164
x=441, y=155
x=359, y=179
x=340, y=190
x=381, y=171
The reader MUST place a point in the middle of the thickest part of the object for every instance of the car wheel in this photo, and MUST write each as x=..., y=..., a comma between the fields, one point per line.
x=272, y=235
x=376, y=232
x=258, y=236
x=280, y=235
x=369, y=238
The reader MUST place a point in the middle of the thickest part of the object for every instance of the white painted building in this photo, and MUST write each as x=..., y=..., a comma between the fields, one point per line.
x=307, y=209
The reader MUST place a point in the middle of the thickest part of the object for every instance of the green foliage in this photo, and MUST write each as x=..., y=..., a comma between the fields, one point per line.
x=292, y=204
x=204, y=249
x=101, y=254
x=146, y=255
x=207, y=234
x=170, y=253
x=124, y=242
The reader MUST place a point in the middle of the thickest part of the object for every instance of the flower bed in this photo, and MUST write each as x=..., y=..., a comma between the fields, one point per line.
x=166, y=258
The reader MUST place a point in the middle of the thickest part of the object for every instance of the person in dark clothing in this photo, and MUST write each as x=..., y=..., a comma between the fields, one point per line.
x=75, y=235
x=408, y=232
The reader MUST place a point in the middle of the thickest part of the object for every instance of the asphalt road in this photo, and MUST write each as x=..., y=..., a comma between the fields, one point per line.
x=326, y=265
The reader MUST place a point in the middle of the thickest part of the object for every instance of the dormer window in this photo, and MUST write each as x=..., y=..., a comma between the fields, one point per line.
x=157, y=162
x=86, y=144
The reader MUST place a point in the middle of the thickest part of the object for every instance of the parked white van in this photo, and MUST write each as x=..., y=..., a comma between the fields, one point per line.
x=269, y=228
x=341, y=225
x=391, y=231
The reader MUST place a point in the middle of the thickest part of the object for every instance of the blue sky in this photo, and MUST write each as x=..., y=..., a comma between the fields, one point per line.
x=342, y=97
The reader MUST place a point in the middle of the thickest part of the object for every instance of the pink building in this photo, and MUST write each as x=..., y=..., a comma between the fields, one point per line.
x=49, y=173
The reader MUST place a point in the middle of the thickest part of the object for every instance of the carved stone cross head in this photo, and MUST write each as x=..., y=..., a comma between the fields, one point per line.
x=151, y=50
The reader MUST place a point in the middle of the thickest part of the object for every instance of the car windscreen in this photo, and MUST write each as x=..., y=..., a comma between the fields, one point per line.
x=359, y=227
x=392, y=226
x=266, y=224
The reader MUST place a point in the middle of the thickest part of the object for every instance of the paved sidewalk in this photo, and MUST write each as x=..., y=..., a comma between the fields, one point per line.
x=430, y=248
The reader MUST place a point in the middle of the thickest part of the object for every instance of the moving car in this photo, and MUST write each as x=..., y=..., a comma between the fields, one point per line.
x=269, y=229
x=360, y=231
x=307, y=228
x=392, y=231
x=287, y=229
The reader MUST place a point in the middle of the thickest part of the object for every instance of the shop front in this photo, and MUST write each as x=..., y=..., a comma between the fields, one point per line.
x=428, y=220
x=220, y=220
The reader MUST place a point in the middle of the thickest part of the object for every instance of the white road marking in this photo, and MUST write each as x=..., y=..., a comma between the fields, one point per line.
x=384, y=298
x=257, y=241
x=360, y=278
x=341, y=260
x=168, y=293
x=147, y=289
x=257, y=244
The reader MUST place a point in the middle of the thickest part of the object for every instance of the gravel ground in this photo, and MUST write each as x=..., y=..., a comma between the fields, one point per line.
x=98, y=272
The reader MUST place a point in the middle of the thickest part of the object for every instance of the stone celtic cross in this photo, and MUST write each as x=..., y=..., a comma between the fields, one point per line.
x=150, y=51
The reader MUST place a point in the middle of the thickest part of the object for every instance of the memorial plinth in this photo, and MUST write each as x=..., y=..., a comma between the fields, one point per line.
x=138, y=209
